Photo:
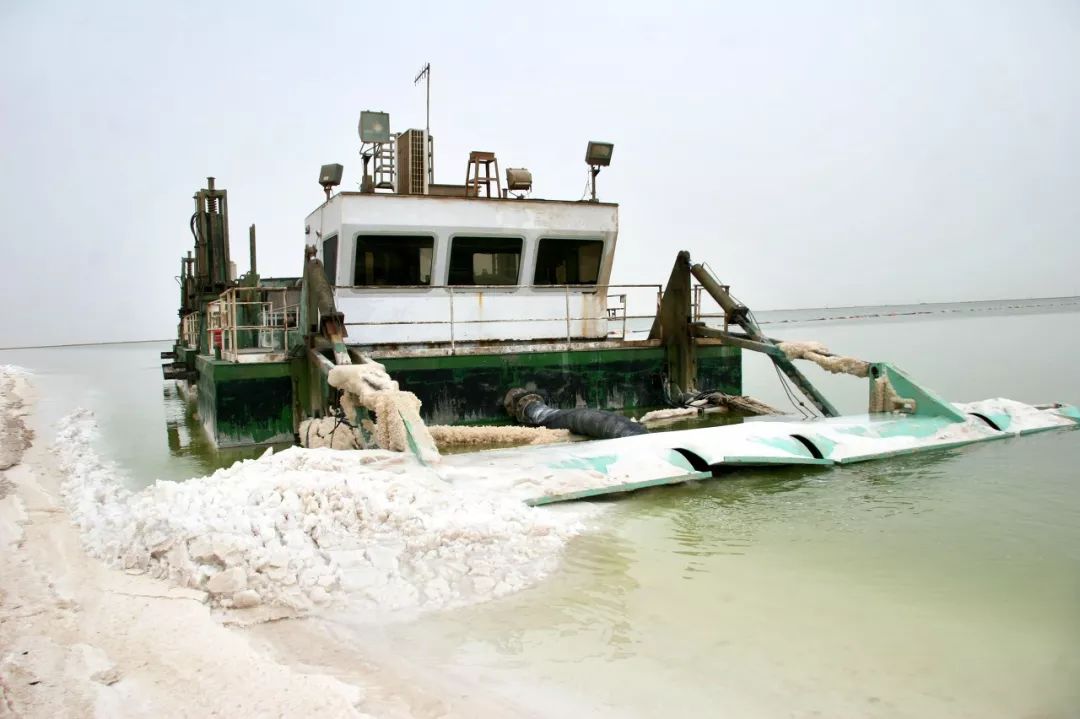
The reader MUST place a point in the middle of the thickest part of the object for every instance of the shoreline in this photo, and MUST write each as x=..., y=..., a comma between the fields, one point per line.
x=79, y=638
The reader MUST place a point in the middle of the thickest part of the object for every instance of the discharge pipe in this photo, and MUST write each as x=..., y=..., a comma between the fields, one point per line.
x=735, y=311
x=529, y=409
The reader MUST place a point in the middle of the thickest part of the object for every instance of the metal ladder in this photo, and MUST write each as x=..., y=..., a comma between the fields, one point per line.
x=384, y=164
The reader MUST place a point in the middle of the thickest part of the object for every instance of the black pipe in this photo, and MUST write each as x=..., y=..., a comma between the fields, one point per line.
x=529, y=409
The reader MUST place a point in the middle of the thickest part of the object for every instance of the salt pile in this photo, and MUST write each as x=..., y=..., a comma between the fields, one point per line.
x=312, y=527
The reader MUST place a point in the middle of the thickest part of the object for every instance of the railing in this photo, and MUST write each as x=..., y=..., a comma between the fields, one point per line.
x=189, y=330
x=613, y=307
x=251, y=321
x=705, y=307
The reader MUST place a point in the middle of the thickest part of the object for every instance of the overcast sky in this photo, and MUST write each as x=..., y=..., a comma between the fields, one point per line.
x=827, y=153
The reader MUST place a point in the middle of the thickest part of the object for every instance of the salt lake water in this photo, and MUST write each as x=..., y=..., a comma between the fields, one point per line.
x=945, y=584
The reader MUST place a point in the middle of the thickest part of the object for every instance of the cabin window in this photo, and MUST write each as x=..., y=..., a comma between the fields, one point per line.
x=329, y=259
x=568, y=262
x=388, y=260
x=484, y=261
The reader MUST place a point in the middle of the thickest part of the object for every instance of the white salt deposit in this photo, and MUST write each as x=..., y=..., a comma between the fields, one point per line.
x=446, y=435
x=1023, y=417
x=397, y=413
x=851, y=445
x=364, y=380
x=311, y=527
x=332, y=432
x=661, y=415
x=15, y=436
x=397, y=426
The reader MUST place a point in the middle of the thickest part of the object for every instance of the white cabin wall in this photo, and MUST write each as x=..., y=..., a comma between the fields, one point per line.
x=479, y=314
x=323, y=223
x=444, y=217
x=450, y=211
x=440, y=260
x=611, y=239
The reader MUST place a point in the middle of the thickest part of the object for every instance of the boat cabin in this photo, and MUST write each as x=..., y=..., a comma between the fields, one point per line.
x=421, y=268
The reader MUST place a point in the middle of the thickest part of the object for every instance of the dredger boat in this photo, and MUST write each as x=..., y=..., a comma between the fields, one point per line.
x=492, y=306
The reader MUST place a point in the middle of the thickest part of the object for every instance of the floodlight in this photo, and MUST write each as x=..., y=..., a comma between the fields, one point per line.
x=518, y=179
x=374, y=127
x=598, y=154
x=329, y=177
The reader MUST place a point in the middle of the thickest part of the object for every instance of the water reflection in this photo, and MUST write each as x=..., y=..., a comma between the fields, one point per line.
x=186, y=437
x=587, y=615
x=900, y=485
x=599, y=607
x=717, y=517
x=724, y=516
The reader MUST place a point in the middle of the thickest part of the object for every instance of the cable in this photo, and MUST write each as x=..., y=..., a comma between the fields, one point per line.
x=339, y=415
x=340, y=419
x=799, y=405
x=667, y=390
x=585, y=190
x=787, y=391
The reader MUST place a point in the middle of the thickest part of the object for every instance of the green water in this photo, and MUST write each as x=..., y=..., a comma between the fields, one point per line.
x=147, y=428
x=925, y=586
x=945, y=584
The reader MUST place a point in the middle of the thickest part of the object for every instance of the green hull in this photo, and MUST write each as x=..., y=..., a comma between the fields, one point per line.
x=243, y=404
x=470, y=388
x=246, y=404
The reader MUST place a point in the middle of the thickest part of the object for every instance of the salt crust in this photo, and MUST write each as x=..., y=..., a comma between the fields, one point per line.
x=1024, y=417
x=368, y=385
x=15, y=436
x=333, y=433
x=820, y=355
x=77, y=640
x=660, y=415
x=446, y=435
x=305, y=528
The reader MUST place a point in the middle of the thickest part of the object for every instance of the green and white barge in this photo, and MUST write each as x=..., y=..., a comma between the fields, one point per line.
x=490, y=305
x=461, y=291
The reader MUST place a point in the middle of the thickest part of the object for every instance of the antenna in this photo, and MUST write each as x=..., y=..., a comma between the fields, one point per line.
x=425, y=74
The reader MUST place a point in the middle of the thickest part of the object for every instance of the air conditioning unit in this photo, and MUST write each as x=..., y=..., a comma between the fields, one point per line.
x=414, y=162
